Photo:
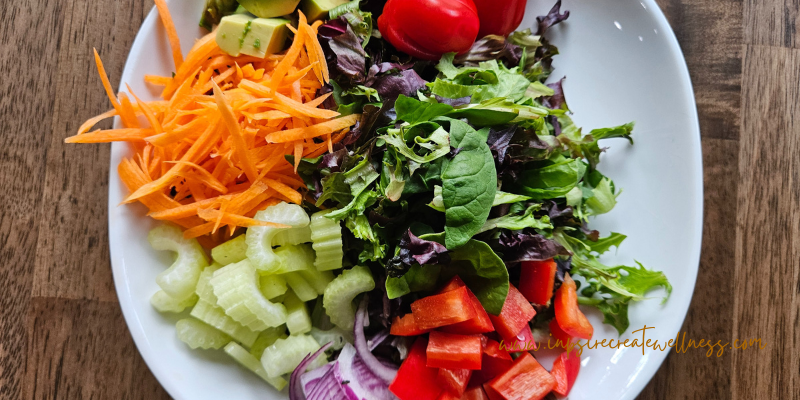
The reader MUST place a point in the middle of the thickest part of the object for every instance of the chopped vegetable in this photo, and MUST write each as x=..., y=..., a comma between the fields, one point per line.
x=180, y=279
x=339, y=295
x=163, y=302
x=259, y=238
x=283, y=356
x=568, y=316
x=443, y=309
x=516, y=314
x=236, y=288
x=248, y=361
x=481, y=323
x=197, y=334
x=230, y=252
x=415, y=380
x=565, y=371
x=447, y=350
x=525, y=380
x=537, y=279
x=326, y=235
x=406, y=326
x=454, y=380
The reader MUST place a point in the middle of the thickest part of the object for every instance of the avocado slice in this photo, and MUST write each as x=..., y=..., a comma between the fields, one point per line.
x=244, y=34
x=269, y=8
x=318, y=9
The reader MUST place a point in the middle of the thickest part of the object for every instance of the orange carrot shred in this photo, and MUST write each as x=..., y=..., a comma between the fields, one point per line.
x=172, y=34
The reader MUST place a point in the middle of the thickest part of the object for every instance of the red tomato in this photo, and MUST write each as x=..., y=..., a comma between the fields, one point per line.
x=406, y=326
x=515, y=315
x=429, y=28
x=447, y=350
x=480, y=324
x=414, y=380
x=570, y=318
x=499, y=17
x=565, y=371
x=454, y=381
x=475, y=393
x=443, y=309
x=537, y=279
x=525, y=380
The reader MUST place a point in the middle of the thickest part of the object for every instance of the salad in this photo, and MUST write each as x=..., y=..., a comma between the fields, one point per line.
x=376, y=199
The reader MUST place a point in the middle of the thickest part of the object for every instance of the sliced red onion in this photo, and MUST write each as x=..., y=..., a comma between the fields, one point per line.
x=359, y=382
x=327, y=387
x=295, y=386
x=382, y=371
x=377, y=339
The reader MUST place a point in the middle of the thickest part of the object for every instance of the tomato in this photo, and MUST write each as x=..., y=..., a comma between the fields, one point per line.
x=475, y=393
x=429, y=28
x=515, y=315
x=570, y=318
x=495, y=361
x=447, y=350
x=525, y=380
x=565, y=371
x=499, y=17
x=537, y=279
x=406, y=326
x=414, y=380
x=479, y=324
x=443, y=309
x=454, y=381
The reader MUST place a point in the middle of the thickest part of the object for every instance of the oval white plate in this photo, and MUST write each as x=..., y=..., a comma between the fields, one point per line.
x=622, y=63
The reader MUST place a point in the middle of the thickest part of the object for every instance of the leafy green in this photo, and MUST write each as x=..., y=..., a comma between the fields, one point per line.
x=603, y=244
x=487, y=81
x=603, y=198
x=396, y=287
x=551, y=181
x=361, y=228
x=519, y=222
x=413, y=111
x=430, y=141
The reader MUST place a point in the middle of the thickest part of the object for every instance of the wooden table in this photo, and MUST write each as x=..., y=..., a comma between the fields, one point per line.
x=62, y=335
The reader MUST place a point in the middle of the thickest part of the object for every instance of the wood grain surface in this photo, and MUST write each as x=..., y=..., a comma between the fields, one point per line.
x=62, y=335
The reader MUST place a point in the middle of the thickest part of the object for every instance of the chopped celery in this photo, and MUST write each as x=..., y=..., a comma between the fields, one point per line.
x=326, y=235
x=199, y=334
x=301, y=288
x=232, y=251
x=203, y=289
x=319, y=280
x=259, y=238
x=216, y=317
x=335, y=335
x=339, y=295
x=294, y=258
x=265, y=339
x=292, y=236
x=162, y=302
x=180, y=279
x=272, y=286
x=283, y=356
x=236, y=288
x=298, y=320
x=248, y=361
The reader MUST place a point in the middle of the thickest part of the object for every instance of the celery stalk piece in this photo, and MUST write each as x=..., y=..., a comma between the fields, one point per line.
x=259, y=238
x=300, y=287
x=292, y=258
x=232, y=251
x=319, y=280
x=248, y=361
x=298, y=320
x=266, y=339
x=326, y=235
x=283, y=356
x=196, y=334
x=162, y=302
x=180, y=279
x=272, y=286
x=204, y=291
x=339, y=295
x=216, y=317
x=292, y=236
x=236, y=288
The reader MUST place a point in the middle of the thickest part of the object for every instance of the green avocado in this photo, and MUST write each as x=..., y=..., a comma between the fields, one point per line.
x=269, y=8
x=318, y=9
x=244, y=34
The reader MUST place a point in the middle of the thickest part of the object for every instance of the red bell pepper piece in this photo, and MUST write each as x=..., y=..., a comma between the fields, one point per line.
x=447, y=350
x=406, y=326
x=525, y=380
x=522, y=341
x=443, y=309
x=495, y=361
x=454, y=381
x=558, y=334
x=499, y=17
x=570, y=318
x=475, y=393
x=479, y=324
x=515, y=314
x=445, y=395
x=536, y=280
x=429, y=28
x=565, y=371
x=414, y=380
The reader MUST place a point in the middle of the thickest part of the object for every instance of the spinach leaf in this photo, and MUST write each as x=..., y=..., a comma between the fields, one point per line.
x=551, y=181
x=519, y=222
x=413, y=111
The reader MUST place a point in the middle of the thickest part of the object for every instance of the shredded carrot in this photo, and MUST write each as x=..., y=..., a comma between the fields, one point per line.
x=212, y=152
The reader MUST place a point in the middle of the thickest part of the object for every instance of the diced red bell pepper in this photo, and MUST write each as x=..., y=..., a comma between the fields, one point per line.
x=522, y=341
x=570, y=318
x=565, y=371
x=414, y=380
x=515, y=315
x=479, y=324
x=445, y=395
x=447, y=350
x=494, y=361
x=536, y=280
x=558, y=334
x=443, y=309
x=475, y=393
x=525, y=380
x=454, y=381
x=406, y=326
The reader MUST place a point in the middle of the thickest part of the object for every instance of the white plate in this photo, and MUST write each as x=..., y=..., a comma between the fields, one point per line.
x=622, y=63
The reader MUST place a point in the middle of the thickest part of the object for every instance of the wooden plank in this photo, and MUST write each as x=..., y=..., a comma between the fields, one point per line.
x=72, y=252
x=82, y=349
x=766, y=298
x=29, y=34
x=771, y=22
